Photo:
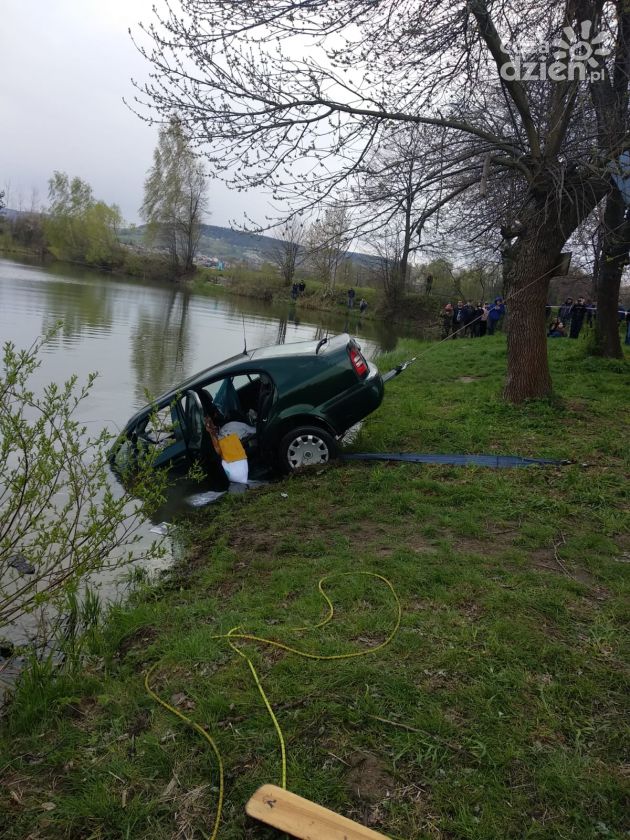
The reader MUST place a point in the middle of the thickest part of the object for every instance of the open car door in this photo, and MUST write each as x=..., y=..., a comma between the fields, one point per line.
x=198, y=441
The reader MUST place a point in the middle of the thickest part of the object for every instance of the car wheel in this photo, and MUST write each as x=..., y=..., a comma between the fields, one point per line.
x=306, y=446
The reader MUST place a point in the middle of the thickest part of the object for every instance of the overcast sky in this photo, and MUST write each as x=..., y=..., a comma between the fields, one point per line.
x=65, y=66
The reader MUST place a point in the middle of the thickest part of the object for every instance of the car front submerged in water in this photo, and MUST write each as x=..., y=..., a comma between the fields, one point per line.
x=282, y=407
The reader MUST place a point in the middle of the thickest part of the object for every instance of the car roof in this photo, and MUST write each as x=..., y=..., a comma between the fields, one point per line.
x=259, y=356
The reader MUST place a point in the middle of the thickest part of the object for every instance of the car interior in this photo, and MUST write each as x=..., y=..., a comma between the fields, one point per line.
x=178, y=429
x=246, y=398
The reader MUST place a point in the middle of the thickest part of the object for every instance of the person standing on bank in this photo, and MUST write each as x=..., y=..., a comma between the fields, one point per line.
x=565, y=311
x=496, y=315
x=590, y=311
x=578, y=313
x=459, y=319
x=480, y=316
x=447, y=320
x=351, y=295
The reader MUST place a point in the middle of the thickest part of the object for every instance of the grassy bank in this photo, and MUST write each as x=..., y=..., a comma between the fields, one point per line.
x=498, y=710
x=264, y=284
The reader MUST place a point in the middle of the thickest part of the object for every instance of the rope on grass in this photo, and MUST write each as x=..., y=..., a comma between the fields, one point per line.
x=234, y=634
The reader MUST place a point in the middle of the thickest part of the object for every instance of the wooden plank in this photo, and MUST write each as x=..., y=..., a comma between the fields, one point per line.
x=304, y=819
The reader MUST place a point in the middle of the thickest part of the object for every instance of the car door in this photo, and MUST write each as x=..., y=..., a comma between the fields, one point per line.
x=198, y=441
x=164, y=429
x=194, y=421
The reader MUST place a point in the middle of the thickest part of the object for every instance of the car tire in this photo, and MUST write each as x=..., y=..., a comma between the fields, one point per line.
x=306, y=446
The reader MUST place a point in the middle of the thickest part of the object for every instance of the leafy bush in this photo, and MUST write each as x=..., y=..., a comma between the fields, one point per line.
x=62, y=518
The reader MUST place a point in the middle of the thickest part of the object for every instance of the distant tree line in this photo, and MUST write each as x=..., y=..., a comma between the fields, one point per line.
x=75, y=226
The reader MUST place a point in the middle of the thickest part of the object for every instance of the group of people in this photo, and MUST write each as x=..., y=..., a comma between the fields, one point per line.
x=572, y=316
x=469, y=320
x=297, y=289
x=363, y=304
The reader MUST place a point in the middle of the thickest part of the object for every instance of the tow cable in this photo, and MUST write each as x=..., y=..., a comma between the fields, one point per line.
x=235, y=634
x=493, y=461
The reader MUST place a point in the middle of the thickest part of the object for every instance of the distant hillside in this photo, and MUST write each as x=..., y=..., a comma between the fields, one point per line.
x=228, y=244
x=9, y=214
x=235, y=245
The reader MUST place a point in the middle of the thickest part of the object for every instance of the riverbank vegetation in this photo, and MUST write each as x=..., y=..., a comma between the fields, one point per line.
x=62, y=520
x=498, y=709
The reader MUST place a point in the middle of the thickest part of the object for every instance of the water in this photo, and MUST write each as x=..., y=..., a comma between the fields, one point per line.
x=143, y=338
x=146, y=337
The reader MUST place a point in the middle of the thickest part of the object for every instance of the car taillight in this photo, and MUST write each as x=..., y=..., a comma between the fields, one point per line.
x=358, y=362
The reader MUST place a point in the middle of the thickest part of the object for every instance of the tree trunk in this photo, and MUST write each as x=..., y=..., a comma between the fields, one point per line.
x=612, y=260
x=536, y=258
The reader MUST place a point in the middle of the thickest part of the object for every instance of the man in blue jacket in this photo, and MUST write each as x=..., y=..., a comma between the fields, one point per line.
x=496, y=315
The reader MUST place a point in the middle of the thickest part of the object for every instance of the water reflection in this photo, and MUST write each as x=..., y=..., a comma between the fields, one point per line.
x=160, y=343
x=82, y=308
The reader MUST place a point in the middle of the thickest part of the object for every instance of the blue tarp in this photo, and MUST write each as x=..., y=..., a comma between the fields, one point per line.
x=496, y=461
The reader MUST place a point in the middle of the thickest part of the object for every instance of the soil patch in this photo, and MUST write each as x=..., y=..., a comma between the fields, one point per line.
x=484, y=548
x=137, y=639
x=368, y=780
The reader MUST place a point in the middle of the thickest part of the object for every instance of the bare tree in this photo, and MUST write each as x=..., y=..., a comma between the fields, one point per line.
x=329, y=240
x=274, y=113
x=289, y=251
x=394, y=267
x=389, y=198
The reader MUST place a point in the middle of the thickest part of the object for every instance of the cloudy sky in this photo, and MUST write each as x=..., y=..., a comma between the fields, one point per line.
x=65, y=66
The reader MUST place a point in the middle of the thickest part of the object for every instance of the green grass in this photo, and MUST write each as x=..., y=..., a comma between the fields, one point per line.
x=498, y=711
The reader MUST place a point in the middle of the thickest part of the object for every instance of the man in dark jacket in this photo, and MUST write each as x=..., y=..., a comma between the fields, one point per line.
x=459, y=319
x=565, y=312
x=479, y=322
x=469, y=317
x=578, y=314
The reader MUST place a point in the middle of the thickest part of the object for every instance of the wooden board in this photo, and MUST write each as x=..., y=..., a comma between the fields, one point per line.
x=303, y=818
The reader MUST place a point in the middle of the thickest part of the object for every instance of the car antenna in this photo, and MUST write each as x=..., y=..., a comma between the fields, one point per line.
x=244, y=337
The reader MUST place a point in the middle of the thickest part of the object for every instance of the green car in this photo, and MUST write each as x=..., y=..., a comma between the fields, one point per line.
x=288, y=404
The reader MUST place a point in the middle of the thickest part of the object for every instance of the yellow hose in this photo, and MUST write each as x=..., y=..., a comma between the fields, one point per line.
x=233, y=634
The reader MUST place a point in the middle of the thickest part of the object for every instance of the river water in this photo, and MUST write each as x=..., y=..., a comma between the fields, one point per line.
x=142, y=337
